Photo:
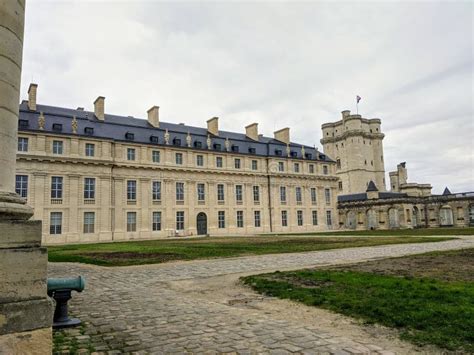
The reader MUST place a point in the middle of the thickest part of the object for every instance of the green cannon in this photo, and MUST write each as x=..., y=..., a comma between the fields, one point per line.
x=60, y=289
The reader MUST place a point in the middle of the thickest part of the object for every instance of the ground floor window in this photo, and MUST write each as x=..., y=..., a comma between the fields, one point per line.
x=257, y=218
x=55, y=224
x=180, y=220
x=315, y=218
x=328, y=218
x=299, y=217
x=240, y=219
x=131, y=221
x=221, y=219
x=156, y=222
x=89, y=222
x=284, y=218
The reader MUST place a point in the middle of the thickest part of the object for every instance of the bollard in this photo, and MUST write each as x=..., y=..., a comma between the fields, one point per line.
x=60, y=290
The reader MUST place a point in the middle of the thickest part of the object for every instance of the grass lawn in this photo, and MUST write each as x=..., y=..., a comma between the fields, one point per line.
x=398, y=232
x=429, y=298
x=159, y=251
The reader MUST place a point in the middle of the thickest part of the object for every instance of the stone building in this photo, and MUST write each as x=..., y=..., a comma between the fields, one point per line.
x=363, y=203
x=93, y=176
x=356, y=145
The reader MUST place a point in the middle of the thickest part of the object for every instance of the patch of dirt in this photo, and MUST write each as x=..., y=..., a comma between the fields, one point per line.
x=456, y=265
x=124, y=256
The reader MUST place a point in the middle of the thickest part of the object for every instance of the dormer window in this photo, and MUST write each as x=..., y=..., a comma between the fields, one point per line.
x=252, y=151
x=217, y=146
x=129, y=136
x=322, y=157
x=154, y=139
x=308, y=156
x=177, y=141
x=57, y=127
x=293, y=154
x=197, y=144
x=235, y=148
x=89, y=131
x=22, y=124
x=278, y=152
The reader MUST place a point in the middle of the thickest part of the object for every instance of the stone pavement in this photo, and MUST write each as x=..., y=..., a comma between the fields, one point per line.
x=133, y=309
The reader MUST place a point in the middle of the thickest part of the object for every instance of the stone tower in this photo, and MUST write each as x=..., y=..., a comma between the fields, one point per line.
x=356, y=145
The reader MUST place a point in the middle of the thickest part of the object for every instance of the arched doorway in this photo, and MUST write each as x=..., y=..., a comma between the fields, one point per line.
x=372, y=222
x=201, y=223
x=445, y=216
x=471, y=215
x=415, y=217
x=393, y=218
x=351, y=222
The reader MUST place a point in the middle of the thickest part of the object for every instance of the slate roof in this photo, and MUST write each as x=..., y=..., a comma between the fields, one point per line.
x=363, y=196
x=115, y=127
x=371, y=187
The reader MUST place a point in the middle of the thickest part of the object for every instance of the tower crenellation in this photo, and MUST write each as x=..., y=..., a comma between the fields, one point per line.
x=356, y=145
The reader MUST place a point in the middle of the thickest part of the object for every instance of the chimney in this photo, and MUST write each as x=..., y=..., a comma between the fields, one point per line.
x=153, y=116
x=32, y=96
x=345, y=113
x=283, y=135
x=99, y=108
x=251, y=131
x=213, y=126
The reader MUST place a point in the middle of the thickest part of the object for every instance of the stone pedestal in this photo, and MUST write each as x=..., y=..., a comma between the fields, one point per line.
x=25, y=308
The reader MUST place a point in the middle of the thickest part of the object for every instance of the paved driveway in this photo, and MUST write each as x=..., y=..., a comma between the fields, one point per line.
x=165, y=309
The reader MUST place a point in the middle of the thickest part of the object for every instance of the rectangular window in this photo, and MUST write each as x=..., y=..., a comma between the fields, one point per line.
x=131, y=190
x=296, y=167
x=55, y=224
x=325, y=170
x=156, y=221
x=180, y=191
x=237, y=163
x=220, y=192
x=314, y=196
x=257, y=220
x=180, y=220
x=201, y=192
x=22, y=144
x=327, y=194
x=299, y=197
x=56, y=187
x=89, y=222
x=281, y=166
x=256, y=194
x=179, y=158
x=90, y=149
x=240, y=219
x=57, y=147
x=328, y=218
x=221, y=219
x=340, y=185
x=284, y=218
x=219, y=163
x=315, y=217
x=21, y=185
x=156, y=190
x=89, y=188
x=254, y=165
x=299, y=217
x=282, y=194
x=238, y=193
x=130, y=153
x=199, y=160
x=311, y=168
x=155, y=156
x=131, y=221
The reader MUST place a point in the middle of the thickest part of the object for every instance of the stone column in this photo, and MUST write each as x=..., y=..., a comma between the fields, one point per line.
x=25, y=309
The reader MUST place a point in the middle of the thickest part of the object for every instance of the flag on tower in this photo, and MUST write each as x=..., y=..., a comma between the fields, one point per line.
x=358, y=98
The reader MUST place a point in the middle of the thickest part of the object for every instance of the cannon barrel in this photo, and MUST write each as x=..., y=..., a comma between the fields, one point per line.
x=72, y=284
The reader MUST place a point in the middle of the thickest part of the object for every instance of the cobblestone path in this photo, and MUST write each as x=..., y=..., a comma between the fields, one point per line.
x=133, y=309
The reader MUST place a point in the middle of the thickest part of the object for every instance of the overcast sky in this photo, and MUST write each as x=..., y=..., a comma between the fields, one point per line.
x=279, y=64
